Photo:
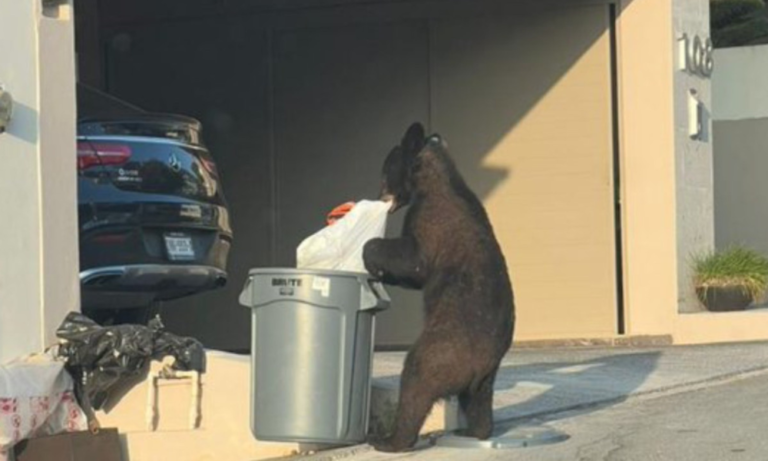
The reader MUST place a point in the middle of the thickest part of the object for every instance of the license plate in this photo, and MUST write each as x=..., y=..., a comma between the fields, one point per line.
x=179, y=247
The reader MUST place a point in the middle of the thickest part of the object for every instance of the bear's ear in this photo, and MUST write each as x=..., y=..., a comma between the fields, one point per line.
x=413, y=141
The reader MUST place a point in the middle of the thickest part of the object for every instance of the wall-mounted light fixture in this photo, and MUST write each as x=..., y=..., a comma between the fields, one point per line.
x=6, y=109
x=695, y=116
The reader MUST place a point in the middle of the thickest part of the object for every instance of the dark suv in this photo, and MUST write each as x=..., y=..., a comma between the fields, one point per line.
x=153, y=219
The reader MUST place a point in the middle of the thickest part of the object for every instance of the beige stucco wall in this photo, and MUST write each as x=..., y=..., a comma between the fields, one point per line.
x=38, y=243
x=223, y=432
x=721, y=327
x=667, y=189
x=668, y=178
x=646, y=126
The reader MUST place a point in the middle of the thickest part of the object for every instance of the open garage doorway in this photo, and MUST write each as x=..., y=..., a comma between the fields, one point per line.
x=300, y=102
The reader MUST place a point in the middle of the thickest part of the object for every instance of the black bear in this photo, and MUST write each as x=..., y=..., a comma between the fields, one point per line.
x=448, y=250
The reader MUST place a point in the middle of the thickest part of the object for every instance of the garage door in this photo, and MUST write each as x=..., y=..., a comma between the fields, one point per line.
x=305, y=115
x=525, y=102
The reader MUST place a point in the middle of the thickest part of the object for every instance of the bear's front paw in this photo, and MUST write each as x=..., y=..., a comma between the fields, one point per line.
x=371, y=257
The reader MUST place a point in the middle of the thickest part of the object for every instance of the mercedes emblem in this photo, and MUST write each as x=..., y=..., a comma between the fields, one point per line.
x=174, y=163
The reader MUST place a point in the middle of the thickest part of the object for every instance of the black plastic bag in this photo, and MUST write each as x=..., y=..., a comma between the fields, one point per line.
x=101, y=359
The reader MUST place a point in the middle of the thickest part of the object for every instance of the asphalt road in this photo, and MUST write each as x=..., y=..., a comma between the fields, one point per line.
x=721, y=422
x=718, y=422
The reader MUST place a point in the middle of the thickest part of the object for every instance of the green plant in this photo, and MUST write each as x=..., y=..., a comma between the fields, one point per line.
x=738, y=22
x=725, y=12
x=734, y=267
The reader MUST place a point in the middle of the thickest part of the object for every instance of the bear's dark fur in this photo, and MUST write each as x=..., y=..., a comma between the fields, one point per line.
x=449, y=251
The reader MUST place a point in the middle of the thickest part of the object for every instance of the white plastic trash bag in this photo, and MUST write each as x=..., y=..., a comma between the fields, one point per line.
x=36, y=398
x=340, y=246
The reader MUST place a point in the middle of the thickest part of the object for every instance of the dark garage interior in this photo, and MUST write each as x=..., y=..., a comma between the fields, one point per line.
x=300, y=102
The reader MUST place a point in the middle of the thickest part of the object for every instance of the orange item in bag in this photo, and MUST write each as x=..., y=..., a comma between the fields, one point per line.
x=339, y=212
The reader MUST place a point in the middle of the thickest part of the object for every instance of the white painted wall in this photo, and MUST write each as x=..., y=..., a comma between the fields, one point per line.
x=739, y=89
x=38, y=238
x=693, y=158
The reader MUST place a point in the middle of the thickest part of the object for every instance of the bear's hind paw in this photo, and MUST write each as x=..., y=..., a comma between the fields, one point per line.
x=386, y=444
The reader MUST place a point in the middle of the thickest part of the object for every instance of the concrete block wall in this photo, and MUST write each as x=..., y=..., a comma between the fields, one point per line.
x=693, y=157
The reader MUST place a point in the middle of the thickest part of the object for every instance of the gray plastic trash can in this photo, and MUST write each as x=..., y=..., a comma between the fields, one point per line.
x=312, y=333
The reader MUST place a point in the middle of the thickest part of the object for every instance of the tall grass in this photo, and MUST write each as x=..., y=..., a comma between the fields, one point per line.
x=735, y=266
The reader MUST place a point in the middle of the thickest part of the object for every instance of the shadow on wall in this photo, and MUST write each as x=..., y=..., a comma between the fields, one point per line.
x=741, y=217
x=24, y=123
x=282, y=106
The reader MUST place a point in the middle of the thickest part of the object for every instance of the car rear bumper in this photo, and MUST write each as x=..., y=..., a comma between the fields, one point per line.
x=153, y=278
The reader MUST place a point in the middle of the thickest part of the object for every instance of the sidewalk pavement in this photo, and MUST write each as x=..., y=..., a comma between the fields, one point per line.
x=541, y=383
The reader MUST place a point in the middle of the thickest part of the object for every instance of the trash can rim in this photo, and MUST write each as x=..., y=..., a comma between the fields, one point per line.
x=289, y=270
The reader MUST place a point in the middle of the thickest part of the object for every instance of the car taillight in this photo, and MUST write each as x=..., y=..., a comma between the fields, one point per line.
x=209, y=166
x=93, y=154
x=110, y=238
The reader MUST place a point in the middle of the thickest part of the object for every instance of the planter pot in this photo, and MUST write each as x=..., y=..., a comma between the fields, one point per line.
x=724, y=299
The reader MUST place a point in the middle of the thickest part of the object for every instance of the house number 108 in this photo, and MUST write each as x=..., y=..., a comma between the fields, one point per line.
x=695, y=55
